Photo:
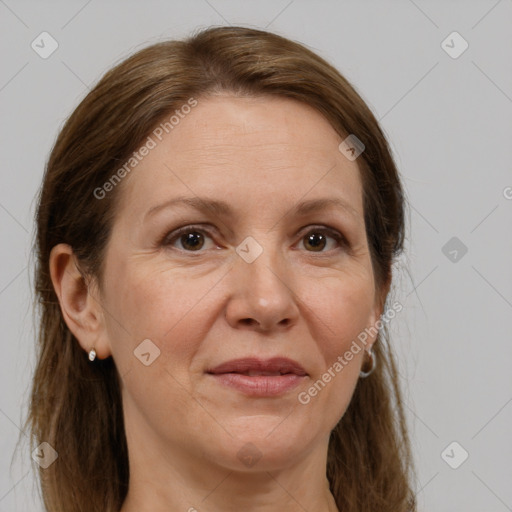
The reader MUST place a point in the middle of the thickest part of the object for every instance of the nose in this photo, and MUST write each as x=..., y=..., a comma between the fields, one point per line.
x=262, y=296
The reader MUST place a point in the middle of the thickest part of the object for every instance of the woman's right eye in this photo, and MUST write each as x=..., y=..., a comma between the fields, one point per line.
x=190, y=238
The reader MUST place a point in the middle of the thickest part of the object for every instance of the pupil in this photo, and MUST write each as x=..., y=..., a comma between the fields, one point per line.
x=192, y=239
x=311, y=241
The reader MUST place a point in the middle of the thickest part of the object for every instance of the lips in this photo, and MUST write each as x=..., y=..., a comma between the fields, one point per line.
x=260, y=367
x=259, y=378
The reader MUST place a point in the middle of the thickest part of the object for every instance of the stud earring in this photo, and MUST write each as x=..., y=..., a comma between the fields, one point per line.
x=92, y=355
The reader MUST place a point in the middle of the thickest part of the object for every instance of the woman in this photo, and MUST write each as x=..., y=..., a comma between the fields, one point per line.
x=215, y=237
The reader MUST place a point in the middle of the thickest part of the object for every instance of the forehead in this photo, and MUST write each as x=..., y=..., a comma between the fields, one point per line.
x=247, y=151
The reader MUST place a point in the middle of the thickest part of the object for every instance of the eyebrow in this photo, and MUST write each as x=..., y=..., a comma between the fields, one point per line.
x=223, y=209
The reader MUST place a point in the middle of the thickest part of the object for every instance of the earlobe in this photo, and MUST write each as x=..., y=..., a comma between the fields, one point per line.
x=80, y=310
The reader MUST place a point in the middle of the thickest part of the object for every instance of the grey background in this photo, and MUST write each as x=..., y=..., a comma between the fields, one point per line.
x=449, y=122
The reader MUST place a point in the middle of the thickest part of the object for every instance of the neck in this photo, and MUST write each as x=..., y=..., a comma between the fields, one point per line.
x=260, y=492
x=170, y=479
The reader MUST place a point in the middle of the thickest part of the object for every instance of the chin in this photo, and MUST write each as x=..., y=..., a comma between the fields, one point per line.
x=262, y=443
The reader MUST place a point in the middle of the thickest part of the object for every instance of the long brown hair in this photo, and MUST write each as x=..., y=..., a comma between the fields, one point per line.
x=76, y=406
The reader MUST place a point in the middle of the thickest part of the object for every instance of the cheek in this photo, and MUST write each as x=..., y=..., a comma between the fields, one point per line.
x=167, y=307
x=343, y=308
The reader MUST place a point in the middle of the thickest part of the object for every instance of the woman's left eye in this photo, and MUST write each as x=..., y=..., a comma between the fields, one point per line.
x=317, y=238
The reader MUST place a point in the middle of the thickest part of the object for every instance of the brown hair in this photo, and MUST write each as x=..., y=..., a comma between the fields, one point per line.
x=76, y=406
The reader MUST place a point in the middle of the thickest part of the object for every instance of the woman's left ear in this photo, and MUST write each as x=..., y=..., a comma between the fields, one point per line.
x=383, y=294
x=380, y=302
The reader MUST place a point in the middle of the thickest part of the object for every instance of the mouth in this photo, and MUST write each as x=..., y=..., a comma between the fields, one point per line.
x=258, y=377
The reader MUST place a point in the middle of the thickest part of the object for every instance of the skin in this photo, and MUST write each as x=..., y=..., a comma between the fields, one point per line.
x=206, y=306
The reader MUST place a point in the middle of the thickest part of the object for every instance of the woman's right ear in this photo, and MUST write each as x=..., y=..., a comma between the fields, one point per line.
x=81, y=312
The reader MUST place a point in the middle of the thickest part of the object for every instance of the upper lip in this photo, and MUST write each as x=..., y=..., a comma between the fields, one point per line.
x=275, y=365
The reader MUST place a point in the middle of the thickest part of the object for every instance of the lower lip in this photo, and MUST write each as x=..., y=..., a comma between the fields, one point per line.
x=259, y=385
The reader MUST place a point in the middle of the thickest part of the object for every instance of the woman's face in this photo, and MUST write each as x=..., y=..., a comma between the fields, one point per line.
x=259, y=273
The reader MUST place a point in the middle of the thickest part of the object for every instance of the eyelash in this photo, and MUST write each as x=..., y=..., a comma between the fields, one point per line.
x=172, y=236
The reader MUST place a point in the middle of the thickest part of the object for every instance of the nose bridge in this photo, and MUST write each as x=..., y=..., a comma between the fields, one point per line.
x=263, y=263
x=261, y=284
